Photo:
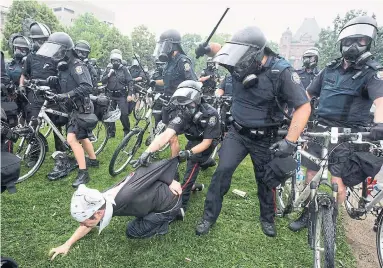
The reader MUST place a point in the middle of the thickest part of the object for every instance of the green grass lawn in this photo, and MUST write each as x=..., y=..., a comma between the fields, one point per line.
x=37, y=219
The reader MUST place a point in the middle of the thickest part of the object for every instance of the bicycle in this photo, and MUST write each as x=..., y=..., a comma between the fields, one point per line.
x=129, y=146
x=142, y=103
x=293, y=194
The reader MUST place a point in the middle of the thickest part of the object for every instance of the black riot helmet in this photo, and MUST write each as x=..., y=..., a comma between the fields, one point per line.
x=357, y=36
x=57, y=47
x=169, y=42
x=21, y=46
x=242, y=55
x=39, y=33
x=187, y=98
x=82, y=49
x=310, y=58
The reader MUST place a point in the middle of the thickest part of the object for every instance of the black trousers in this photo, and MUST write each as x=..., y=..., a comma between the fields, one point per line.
x=235, y=147
x=125, y=111
x=153, y=223
x=192, y=170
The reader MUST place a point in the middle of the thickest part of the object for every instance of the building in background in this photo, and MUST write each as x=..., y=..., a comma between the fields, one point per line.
x=3, y=15
x=68, y=11
x=292, y=47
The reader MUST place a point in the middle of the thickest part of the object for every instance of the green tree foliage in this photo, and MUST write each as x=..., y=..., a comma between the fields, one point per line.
x=143, y=44
x=327, y=44
x=23, y=13
x=87, y=27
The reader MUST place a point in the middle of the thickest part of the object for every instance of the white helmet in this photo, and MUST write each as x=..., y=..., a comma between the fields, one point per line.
x=112, y=116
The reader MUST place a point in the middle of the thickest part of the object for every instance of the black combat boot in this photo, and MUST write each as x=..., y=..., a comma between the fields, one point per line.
x=203, y=227
x=92, y=162
x=63, y=166
x=301, y=222
x=82, y=178
x=268, y=228
x=197, y=187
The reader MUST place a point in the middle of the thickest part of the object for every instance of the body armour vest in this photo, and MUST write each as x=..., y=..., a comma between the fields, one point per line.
x=344, y=96
x=174, y=74
x=256, y=107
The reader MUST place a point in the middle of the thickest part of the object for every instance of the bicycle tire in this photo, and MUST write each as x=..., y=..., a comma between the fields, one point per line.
x=101, y=127
x=285, y=195
x=42, y=145
x=324, y=228
x=379, y=238
x=120, y=148
x=140, y=111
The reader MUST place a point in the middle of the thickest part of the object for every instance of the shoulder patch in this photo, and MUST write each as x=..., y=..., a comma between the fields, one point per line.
x=78, y=70
x=379, y=75
x=212, y=121
x=187, y=66
x=177, y=120
x=295, y=78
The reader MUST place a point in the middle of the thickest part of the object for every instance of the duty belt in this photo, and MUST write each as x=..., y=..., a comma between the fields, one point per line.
x=255, y=132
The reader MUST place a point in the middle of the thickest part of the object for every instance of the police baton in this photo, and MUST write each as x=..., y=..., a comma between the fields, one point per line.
x=215, y=29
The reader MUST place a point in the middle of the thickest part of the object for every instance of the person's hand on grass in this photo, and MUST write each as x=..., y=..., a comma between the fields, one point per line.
x=63, y=249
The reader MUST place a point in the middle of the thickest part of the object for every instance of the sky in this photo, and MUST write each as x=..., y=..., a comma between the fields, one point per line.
x=200, y=16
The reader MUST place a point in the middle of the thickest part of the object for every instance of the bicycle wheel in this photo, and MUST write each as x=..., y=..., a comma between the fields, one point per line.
x=100, y=132
x=125, y=152
x=140, y=109
x=324, y=239
x=31, y=150
x=285, y=194
x=379, y=238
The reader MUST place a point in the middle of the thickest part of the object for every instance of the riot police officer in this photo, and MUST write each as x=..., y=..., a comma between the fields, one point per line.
x=226, y=87
x=93, y=62
x=260, y=78
x=119, y=88
x=83, y=50
x=21, y=48
x=75, y=86
x=136, y=72
x=347, y=87
x=209, y=77
x=200, y=124
x=158, y=75
x=309, y=69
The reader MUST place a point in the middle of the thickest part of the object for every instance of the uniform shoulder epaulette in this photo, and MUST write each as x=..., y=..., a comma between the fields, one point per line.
x=375, y=65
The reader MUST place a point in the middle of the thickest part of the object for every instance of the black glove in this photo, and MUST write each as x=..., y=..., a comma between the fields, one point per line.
x=21, y=90
x=283, y=148
x=152, y=83
x=376, y=132
x=143, y=160
x=61, y=97
x=52, y=80
x=202, y=50
x=185, y=155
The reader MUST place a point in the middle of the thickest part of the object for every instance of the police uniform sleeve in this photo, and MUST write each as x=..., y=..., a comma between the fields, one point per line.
x=178, y=124
x=315, y=86
x=129, y=81
x=291, y=89
x=212, y=129
x=186, y=67
x=27, y=66
x=82, y=77
x=375, y=85
x=105, y=77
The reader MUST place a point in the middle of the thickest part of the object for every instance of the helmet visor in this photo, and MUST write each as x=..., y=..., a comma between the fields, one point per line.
x=358, y=30
x=184, y=96
x=52, y=50
x=162, y=48
x=230, y=54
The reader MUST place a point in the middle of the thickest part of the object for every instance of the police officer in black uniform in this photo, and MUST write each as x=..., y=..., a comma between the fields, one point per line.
x=209, y=77
x=259, y=78
x=226, y=87
x=178, y=68
x=83, y=50
x=199, y=122
x=93, y=62
x=309, y=70
x=136, y=72
x=347, y=87
x=75, y=86
x=158, y=75
x=119, y=88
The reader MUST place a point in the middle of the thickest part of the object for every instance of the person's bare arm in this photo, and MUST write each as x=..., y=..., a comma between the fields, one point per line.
x=199, y=148
x=64, y=248
x=298, y=122
x=214, y=48
x=219, y=92
x=160, y=82
x=204, y=78
x=21, y=82
x=378, y=116
x=161, y=140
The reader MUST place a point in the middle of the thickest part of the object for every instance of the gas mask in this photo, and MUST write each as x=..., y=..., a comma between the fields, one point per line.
x=163, y=51
x=116, y=64
x=19, y=53
x=62, y=66
x=310, y=62
x=82, y=54
x=37, y=43
x=353, y=47
x=248, y=67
